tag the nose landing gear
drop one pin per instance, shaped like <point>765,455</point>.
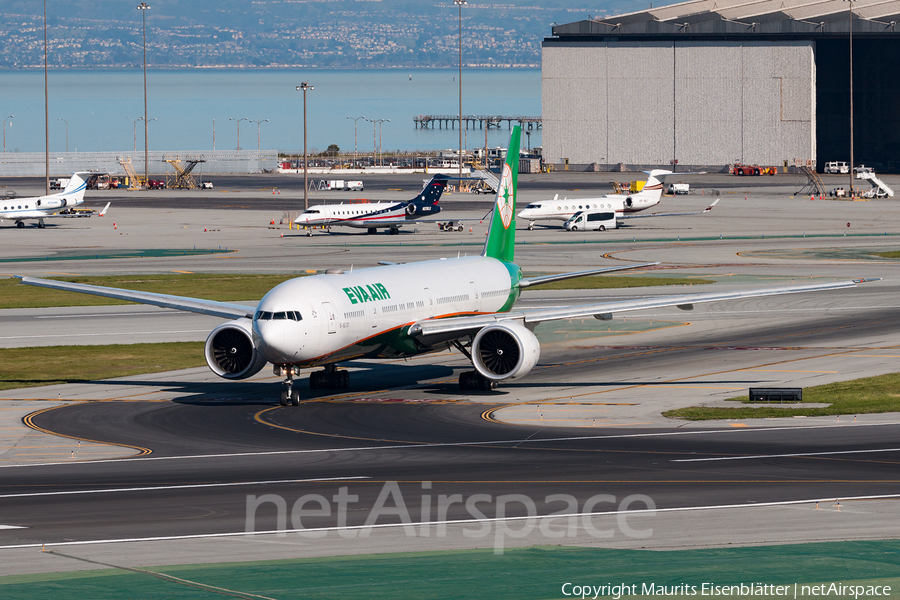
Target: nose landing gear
<point>288,395</point>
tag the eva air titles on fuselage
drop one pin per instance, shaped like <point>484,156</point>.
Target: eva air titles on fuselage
<point>367,293</point>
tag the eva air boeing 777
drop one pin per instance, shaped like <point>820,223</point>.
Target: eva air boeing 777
<point>403,310</point>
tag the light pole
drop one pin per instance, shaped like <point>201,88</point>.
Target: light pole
<point>380,121</point>
<point>460,4</point>
<point>257,130</point>
<point>144,7</point>
<point>214,135</point>
<point>239,128</point>
<point>852,164</point>
<point>134,129</point>
<point>46,111</point>
<point>304,87</point>
<point>355,152</point>
<point>374,142</point>
<point>9,118</point>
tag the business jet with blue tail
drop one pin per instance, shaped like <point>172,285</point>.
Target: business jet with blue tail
<point>404,310</point>
<point>47,207</point>
<point>375,215</point>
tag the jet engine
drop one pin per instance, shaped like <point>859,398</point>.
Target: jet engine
<point>419,209</point>
<point>629,202</point>
<point>230,352</point>
<point>505,351</point>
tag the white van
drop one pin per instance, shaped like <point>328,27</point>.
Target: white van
<point>353,186</point>
<point>592,220</point>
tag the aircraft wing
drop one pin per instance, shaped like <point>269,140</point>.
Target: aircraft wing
<point>436,330</point>
<point>530,281</point>
<point>225,310</point>
<point>701,212</point>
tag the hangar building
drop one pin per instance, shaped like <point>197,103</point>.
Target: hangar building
<point>710,82</point>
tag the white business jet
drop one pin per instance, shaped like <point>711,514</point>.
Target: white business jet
<point>372,215</point>
<point>621,204</point>
<point>403,310</point>
<point>46,207</point>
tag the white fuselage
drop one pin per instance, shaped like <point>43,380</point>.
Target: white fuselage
<point>562,210</point>
<point>365,216</point>
<point>364,312</point>
<point>37,207</point>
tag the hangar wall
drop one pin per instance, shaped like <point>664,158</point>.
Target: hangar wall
<point>700,103</point>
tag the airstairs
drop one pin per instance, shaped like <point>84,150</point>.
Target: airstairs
<point>879,189</point>
<point>134,182</point>
<point>182,179</point>
<point>489,178</point>
<point>814,185</point>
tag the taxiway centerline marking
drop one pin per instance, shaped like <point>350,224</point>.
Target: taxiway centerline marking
<point>797,454</point>
<point>180,487</point>
<point>647,511</point>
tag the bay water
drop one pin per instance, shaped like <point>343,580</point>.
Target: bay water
<point>192,105</point>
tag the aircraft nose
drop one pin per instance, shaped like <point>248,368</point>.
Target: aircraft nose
<point>270,340</point>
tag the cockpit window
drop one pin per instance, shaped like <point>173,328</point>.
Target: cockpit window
<point>288,315</point>
<point>533,206</point>
<point>311,212</point>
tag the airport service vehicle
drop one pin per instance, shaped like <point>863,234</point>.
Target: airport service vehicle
<point>372,215</point>
<point>46,207</point>
<point>156,184</point>
<point>206,185</point>
<point>59,183</point>
<point>562,210</point>
<point>740,169</point>
<point>353,186</point>
<point>677,189</point>
<point>836,166</point>
<point>402,310</point>
<point>592,220</point>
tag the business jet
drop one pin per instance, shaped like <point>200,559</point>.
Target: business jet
<point>403,310</point>
<point>46,207</point>
<point>371,216</point>
<point>621,204</point>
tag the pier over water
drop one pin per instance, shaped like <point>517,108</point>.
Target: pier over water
<point>476,121</point>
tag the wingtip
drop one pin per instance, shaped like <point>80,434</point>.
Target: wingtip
<point>868,279</point>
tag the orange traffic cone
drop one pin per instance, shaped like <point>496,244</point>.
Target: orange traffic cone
<point>114,225</point>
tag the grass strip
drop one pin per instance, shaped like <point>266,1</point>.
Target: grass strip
<point>892,254</point>
<point>536,573</point>
<point>239,287</point>
<point>51,365</point>
<point>878,394</point>
<point>209,286</point>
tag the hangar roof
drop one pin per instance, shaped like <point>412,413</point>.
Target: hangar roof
<point>755,19</point>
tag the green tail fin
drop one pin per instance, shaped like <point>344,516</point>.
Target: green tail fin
<point>501,239</point>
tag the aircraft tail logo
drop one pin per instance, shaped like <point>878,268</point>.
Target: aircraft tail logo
<point>501,240</point>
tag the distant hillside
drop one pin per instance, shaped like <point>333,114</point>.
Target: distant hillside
<point>262,33</point>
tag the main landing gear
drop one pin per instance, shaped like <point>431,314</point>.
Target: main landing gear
<point>288,395</point>
<point>473,380</point>
<point>329,379</point>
